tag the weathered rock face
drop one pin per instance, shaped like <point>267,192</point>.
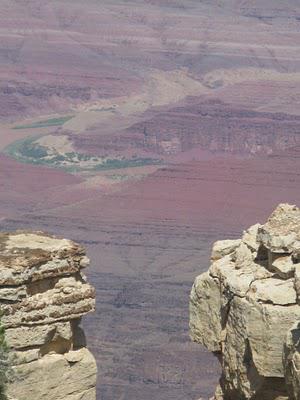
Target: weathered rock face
<point>292,362</point>
<point>244,308</point>
<point>43,295</point>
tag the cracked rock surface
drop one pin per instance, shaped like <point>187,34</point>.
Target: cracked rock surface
<point>245,307</point>
<point>43,295</point>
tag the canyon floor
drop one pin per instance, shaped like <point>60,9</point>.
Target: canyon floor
<point>146,130</point>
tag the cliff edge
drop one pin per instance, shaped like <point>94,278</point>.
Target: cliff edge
<point>245,309</point>
<point>43,295</point>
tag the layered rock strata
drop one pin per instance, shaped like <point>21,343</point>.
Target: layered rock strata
<point>245,309</point>
<point>43,295</point>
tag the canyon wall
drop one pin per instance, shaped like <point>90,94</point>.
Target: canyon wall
<point>43,295</point>
<point>245,309</point>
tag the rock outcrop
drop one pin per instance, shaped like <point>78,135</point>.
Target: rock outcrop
<point>43,295</point>
<point>292,362</point>
<point>246,310</point>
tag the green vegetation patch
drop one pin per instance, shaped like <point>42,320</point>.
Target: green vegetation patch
<point>29,151</point>
<point>46,123</point>
<point>115,163</point>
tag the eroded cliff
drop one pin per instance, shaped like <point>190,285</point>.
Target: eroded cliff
<point>245,307</point>
<point>43,295</point>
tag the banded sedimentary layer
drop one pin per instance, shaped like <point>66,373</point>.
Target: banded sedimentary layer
<point>43,295</point>
<point>245,309</point>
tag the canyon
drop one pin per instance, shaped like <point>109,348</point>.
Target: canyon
<point>145,131</point>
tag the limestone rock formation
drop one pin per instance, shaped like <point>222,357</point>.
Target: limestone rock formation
<point>43,295</point>
<point>245,307</point>
<point>292,362</point>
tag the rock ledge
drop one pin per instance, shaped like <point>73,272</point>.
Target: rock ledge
<point>246,310</point>
<point>43,295</point>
